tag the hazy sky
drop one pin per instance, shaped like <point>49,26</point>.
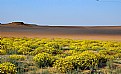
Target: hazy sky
<point>62,12</point>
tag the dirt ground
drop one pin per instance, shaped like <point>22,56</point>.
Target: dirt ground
<point>85,33</point>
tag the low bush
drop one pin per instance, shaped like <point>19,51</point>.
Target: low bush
<point>24,50</point>
<point>83,61</point>
<point>7,68</point>
<point>2,52</point>
<point>63,65</point>
<point>44,59</point>
<point>17,57</point>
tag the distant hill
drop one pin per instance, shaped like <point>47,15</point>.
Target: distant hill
<point>18,24</point>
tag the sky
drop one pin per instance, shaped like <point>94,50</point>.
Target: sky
<point>62,12</point>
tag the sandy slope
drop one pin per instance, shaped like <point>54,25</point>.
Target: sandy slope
<point>95,33</point>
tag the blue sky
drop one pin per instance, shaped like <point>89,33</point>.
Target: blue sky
<point>62,12</point>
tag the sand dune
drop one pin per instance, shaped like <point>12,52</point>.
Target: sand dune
<point>72,32</point>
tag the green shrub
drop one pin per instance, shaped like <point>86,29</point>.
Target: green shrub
<point>53,44</point>
<point>117,56</point>
<point>44,59</point>
<point>108,54</point>
<point>38,50</point>
<point>53,51</point>
<point>7,68</point>
<point>17,57</point>
<point>63,65</point>
<point>24,50</point>
<point>90,59</point>
<point>2,52</point>
<point>49,50</point>
<point>9,49</point>
<point>75,53</point>
<point>85,60</point>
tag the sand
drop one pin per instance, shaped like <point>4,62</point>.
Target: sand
<point>71,32</point>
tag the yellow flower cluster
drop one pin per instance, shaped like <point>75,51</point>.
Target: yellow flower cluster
<point>7,68</point>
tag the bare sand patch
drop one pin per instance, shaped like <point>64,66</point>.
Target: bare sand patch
<point>39,35</point>
<point>85,33</point>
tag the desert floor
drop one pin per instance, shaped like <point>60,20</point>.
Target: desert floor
<point>85,33</point>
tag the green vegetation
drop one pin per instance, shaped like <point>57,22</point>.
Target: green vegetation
<point>7,68</point>
<point>44,59</point>
<point>48,56</point>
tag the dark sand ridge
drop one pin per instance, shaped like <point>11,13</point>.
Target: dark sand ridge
<point>71,32</point>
